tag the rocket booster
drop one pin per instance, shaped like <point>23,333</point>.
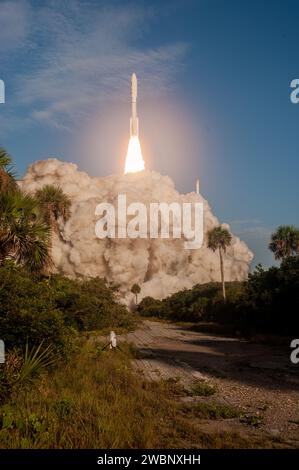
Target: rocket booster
<point>134,125</point>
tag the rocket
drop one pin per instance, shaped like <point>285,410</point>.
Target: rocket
<point>134,125</point>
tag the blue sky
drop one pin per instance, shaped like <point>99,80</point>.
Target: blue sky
<point>214,86</point>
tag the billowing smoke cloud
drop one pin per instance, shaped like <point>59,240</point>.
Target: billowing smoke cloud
<point>161,267</point>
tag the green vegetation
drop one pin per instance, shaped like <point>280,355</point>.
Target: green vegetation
<point>49,308</point>
<point>219,239</point>
<point>285,242</point>
<point>98,401</point>
<point>89,304</point>
<point>20,370</point>
<point>214,410</point>
<point>60,389</point>
<point>35,307</point>
<point>24,237</point>
<point>27,221</point>
<point>28,311</point>
<point>7,181</point>
<point>35,360</point>
<point>43,315</point>
<point>254,420</point>
<point>53,204</point>
<point>191,305</point>
<point>135,289</point>
<point>203,389</point>
<point>267,303</point>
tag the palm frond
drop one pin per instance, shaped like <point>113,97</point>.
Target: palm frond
<point>285,241</point>
<point>54,204</point>
<point>219,237</point>
<point>24,236</point>
<point>36,359</point>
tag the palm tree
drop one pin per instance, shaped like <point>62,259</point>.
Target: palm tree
<point>135,289</point>
<point>219,239</point>
<point>24,236</point>
<point>54,204</point>
<point>7,177</point>
<point>285,241</point>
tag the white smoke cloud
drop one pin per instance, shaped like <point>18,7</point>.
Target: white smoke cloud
<point>161,267</point>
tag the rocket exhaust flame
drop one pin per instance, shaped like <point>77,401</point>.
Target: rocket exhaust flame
<point>134,159</point>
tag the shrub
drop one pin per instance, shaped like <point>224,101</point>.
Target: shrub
<point>197,304</point>
<point>9,374</point>
<point>41,308</point>
<point>214,411</point>
<point>20,368</point>
<point>150,307</point>
<point>88,304</point>
<point>28,312</point>
<point>271,299</point>
<point>203,389</point>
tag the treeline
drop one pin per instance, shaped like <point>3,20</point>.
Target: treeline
<point>267,303</point>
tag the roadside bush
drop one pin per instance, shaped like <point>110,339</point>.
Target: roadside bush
<point>89,304</point>
<point>50,309</point>
<point>9,374</point>
<point>28,312</point>
<point>22,367</point>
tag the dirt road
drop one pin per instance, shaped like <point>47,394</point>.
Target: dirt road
<point>260,380</point>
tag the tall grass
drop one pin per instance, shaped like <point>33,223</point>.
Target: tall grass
<point>19,370</point>
<point>95,400</point>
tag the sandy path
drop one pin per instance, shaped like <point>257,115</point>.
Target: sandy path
<point>257,378</point>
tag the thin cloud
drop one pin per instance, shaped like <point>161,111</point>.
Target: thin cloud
<point>245,221</point>
<point>251,228</point>
<point>255,232</point>
<point>14,25</point>
<point>81,57</point>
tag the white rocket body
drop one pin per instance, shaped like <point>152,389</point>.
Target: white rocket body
<point>134,125</point>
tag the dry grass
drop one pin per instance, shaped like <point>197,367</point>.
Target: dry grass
<point>95,400</point>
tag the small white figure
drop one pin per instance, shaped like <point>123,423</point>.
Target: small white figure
<point>113,343</point>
